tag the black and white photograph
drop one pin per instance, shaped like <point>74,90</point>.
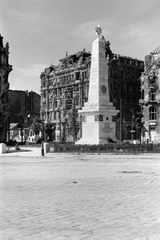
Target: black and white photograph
<point>79,120</point>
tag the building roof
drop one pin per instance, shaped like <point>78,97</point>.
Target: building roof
<point>78,54</point>
<point>13,125</point>
<point>156,51</point>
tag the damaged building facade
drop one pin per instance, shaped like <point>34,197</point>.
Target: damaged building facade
<point>64,90</point>
<point>150,97</point>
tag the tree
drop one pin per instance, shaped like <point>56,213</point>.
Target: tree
<point>23,121</point>
<point>4,116</point>
<point>71,119</point>
<point>49,130</point>
<point>36,126</point>
<point>138,123</point>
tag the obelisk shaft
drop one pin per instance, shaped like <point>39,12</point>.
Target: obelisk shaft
<point>97,113</point>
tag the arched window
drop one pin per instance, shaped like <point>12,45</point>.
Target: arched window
<point>152,113</point>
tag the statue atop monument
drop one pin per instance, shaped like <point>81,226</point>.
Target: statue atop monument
<point>98,31</point>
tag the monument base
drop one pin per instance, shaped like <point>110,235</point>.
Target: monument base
<point>97,126</point>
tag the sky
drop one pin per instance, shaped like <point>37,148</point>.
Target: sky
<point>40,32</point>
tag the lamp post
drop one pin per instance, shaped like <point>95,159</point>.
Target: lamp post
<point>42,142</point>
<point>121,119</point>
<point>60,133</point>
<point>121,113</point>
<point>59,116</point>
<point>74,116</point>
<point>66,127</point>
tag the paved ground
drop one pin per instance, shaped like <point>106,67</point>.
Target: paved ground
<point>76,197</point>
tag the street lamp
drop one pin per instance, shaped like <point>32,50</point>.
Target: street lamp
<point>74,116</point>
<point>132,125</point>
<point>121,89</point>
<point>42,142</point>
<point>66,127</point>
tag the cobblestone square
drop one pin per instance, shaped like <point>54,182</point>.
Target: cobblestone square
<point>76,197</point>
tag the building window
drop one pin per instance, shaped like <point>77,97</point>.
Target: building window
<point>129,89</point>
<point>122,74</point>
<point>142,94</point>
<point>152,113</point>
<point>77,75</point>
<point>55,104</point>
<point>50,83</point>
<point>152,96</point>
<point>128,75</point>
<point>55,115</point>
<point>114,86</point>
<point>44,105</point>
<point>50,104</point>
<point>114,73</point>
<point>43,83</point>
<point>44,116</point>
<point>82,76</point>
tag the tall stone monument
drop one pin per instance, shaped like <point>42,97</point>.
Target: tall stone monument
<point>96,115</point>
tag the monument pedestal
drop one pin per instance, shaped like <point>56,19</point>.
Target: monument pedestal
<point>97,126</point>
<point>97,113</point>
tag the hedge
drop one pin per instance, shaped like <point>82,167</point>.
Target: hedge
<point>105,148</point>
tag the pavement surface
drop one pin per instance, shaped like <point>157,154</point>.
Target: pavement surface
<point>76,197</point>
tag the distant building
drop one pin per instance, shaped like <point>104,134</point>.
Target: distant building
<point>5,69</point>
<point>24,106</point>
<point>124,86</point>
<point>64,90</point>
<point>150,96</point>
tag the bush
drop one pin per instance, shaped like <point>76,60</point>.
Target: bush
<point>11,143</point>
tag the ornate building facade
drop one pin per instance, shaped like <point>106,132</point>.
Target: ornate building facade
<point>64,90</point>
<point>150,96</point>
<point>5,69</point>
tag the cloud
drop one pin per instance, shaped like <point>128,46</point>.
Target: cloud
<point>136,39</point>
